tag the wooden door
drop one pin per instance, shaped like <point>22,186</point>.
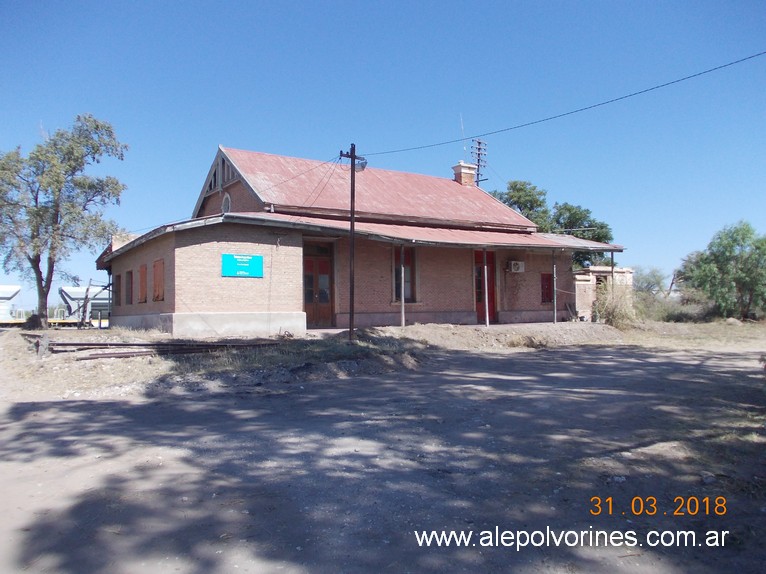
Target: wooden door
<point>479,285</point>
<point>317,291</point>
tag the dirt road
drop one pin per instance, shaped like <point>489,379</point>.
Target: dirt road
<point>337,476</point>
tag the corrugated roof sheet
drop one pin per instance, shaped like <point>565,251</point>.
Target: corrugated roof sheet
<point>308,183</point>
<point>579,244</point>
<point>412,234</point>
<point>430,235</point>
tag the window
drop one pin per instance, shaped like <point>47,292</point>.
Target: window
<point>226,204</point>
<point>129,287</point>
<point>117,290</point>
<point>142,283</point>
<point>409,274</point>
<point>546,287</point>
<point>158,280</point>
<point>227,170</point>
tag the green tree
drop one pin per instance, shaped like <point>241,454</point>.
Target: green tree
<point>532,202</point>
<point>529,200</point>
<point>731,271</point>
<point>579,221</point>
<point>50,208</point>
<point>650,281</point>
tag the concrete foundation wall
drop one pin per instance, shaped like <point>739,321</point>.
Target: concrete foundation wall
<point>202,325</point>
<point>159,321</point>
<point>531,316</point>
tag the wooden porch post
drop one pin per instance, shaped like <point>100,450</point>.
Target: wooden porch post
<point>401,283</point>
<point>553,262</point>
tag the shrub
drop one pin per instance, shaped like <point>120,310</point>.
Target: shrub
<point>614,306</point>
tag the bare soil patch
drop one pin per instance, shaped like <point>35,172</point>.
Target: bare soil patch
<point>316,356</point>
<point>322,456</point>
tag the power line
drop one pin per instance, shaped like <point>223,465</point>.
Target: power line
<point>317,191</point>
<point>333,159</point>
<point>297,175</point>
<point>577,111</point>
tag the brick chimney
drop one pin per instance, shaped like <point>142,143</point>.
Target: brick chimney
<point>465,173</point>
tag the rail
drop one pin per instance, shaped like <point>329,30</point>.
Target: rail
<point>44,345</point>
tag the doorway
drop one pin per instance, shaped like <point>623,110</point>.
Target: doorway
<point>318,285</point>
<point>478,258</point>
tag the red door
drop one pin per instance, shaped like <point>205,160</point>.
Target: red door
<point>478,258</point>
<point>317,291</point>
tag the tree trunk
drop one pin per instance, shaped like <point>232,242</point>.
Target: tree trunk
<point>43,285</point>
<point>672,282</point>
<point>42,306</point>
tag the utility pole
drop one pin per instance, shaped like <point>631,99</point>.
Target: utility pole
<point>354,166</point>
<point>478,151</point>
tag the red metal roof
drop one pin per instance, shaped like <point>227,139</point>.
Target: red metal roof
<point>311,184</point>
<point>427,235</point>
<point>412,234</point>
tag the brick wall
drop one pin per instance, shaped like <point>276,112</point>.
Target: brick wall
<point>193,281</point>
<point>443,278</point>
<point>200,287</point>
<point>522,292</point>
<point>242,200</point>
<point>146,254</point>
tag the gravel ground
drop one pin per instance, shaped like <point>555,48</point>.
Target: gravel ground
<point>169,465</point>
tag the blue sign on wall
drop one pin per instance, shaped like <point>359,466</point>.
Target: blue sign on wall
<point>233,265</point>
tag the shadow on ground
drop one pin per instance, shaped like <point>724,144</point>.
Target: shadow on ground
<point>335,476</point>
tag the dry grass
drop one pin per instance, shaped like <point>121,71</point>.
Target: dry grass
<point>375,350</point>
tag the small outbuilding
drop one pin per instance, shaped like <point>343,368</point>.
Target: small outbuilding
<point>589,280</point>
<point>268,249</point>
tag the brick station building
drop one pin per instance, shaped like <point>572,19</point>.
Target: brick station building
<point>267,251</point>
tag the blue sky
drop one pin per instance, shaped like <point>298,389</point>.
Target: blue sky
<point>665,169</point>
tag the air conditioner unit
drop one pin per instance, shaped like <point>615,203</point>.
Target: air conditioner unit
<point>516,266</point>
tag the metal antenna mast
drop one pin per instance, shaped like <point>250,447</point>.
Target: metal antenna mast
<point>478,151</point>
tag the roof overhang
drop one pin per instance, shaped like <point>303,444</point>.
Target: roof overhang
<point>386,232</point>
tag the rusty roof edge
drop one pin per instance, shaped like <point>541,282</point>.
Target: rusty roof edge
<point>256,219</point>
<point>372,217</point>
<point>162,230</point>
<point>203,192</point>
<point>578,244</point>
